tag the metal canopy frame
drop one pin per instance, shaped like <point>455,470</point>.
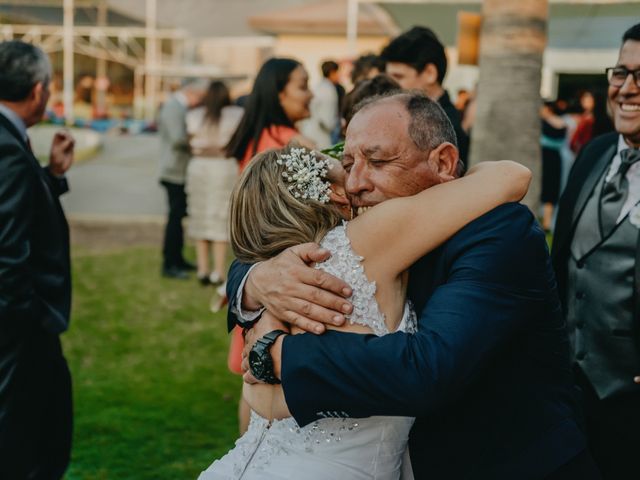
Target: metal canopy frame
<point>136,47</point>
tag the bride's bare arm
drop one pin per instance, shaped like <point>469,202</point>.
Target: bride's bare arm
<point>266,400</point>
<point>412,226</point>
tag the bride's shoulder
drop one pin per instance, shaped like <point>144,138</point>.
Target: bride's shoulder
<point>336,237</point>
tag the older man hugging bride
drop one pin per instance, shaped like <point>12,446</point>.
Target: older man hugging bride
<point>478,382</point>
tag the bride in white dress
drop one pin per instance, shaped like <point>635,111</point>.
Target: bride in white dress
<point>284,198</point>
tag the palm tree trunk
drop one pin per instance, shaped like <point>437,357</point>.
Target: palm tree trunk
<point>507,124</point>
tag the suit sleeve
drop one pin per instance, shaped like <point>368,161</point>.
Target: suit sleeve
<point>19,306</point>
<point>463,143</point>
<point>57,185</point>
<point>237,272</point>
<point>175,127</point>
<point>498,269</point>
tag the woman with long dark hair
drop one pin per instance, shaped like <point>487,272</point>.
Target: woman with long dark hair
<point>210,180</point>
<point>280,98</point>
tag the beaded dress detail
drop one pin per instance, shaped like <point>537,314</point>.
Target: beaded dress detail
<point>335,446</point>
<point>344,263</point>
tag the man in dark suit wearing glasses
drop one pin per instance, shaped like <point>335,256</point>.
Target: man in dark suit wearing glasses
<point>596,255</point>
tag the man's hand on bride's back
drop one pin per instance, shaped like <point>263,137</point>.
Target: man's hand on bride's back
<point>296,292</point>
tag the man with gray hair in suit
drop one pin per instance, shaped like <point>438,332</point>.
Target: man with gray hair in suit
<point>174,157</point>
<point>35,277</point>
<point>596,255</point>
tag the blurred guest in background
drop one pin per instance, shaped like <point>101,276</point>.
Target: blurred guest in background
<point>280,98</point>
<point>553,135</point>
<point>571,113</point>
<point>585,121</point>
<point>469,113</point>
<point>324,117</point>
<point>417,60</point>
<point>210,180</point>
<point>462,100</point>
<point>365,67</point>
<point>35,277</point>
<point>174,157</point>
<point>378,85</point>
<point>336,135</point>
<point>594,121</point>
<point>596,255</point>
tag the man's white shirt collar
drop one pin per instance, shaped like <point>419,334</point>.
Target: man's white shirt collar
<point>15,120</point>
<point>633,177</point>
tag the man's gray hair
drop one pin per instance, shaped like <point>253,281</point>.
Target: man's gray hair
<point>22,66</point>
<point>429,125</point>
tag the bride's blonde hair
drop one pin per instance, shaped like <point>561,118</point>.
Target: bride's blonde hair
<point>265,216</point>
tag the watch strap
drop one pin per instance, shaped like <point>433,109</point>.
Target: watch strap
<point>270,338</point>
<point>262,347</point>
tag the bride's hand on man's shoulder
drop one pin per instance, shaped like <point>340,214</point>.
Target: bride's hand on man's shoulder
<point>294,291</point>
<point>507,176</point>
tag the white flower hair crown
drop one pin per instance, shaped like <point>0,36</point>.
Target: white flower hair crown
<point>306,174</point>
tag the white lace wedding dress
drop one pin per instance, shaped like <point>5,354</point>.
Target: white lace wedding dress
<point>331,448</point>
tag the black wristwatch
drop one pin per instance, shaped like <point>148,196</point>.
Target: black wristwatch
<point>260,361</point>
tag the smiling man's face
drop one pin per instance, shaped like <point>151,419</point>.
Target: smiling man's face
<point>624,101</point>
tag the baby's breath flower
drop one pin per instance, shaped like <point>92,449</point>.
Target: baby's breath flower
<point>306,174</point>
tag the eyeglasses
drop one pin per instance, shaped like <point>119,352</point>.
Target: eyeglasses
<point>618,75</point>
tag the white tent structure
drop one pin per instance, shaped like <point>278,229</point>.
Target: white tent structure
<point>106,35</point>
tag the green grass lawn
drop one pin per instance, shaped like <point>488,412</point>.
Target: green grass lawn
<point>153,396</point>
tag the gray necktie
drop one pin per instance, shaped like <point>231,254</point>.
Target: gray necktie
<point>615,191</point>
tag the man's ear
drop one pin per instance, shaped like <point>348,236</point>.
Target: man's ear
<point>446,157</point>
<point>429,74</point>
<point>36,92</point>
<point>338,195</point>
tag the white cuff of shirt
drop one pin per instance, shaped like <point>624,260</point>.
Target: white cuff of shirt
<point>245,316</point>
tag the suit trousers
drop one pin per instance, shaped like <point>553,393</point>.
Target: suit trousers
<point>36,409</point>
<point>581,467</point>
<point>613,429</point>
<point>173,234</point>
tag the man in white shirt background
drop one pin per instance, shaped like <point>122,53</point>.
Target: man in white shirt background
<point>324,108</point>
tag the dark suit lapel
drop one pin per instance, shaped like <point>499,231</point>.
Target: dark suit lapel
<point>575,197</point>
<point>576,194</point>
<point>636,293</point>
<point>595,173</point>
<point>48,188</point>
<point>13,131</point>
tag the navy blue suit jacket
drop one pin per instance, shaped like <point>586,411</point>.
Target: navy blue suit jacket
<point>487,375</point>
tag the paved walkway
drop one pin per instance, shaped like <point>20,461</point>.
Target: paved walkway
<point>120,183</point>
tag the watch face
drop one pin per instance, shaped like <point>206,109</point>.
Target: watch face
<point>256,365</point>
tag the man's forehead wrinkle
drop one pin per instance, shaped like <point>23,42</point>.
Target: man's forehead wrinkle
<point>370,150</point>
